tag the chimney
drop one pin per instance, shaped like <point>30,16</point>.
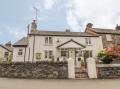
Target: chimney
<point>117,27</point>
<point>8,44</point>
<point>88,26</point>
<point>34,25</point>
<point>67,30</point>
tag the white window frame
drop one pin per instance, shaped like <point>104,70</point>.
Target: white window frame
<point>90,53</point>
<point>20,52</point>
<point>88,41</point>
<point>38,56</point>
<point>48,40</point>
<point>6,54</point>
<point>48,54</point>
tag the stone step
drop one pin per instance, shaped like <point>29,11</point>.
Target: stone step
<point>81,75</point>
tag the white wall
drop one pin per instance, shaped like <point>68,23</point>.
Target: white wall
<point>2,52</point>
<point>40,46</point>
<point>16,57</point>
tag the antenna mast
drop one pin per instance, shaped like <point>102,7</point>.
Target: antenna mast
<point>36,13</point>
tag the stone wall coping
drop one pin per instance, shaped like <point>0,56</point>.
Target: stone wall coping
<point>108,65</point>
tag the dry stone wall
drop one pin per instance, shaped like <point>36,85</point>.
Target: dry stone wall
<point>41,70</point>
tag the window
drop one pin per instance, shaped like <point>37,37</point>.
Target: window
<point>6,54</point>
<point>20,52</point>
<point>108,37</point>
<point>48,40</point>
<point>64,52</point>
<point>88,41</point>
<point>88,53</point>
<point>38,56</point>
<point>48,54</point>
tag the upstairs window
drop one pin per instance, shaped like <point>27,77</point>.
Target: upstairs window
<point>20,52</point>
<point>108,37</point>
<point>48,40</point>
<point>88,41</point>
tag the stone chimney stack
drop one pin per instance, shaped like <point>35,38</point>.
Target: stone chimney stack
<point>8,44</point>
<point>68,30</point>
<point>117,27</point>
<point>34,25</point>
<point>89,26</point>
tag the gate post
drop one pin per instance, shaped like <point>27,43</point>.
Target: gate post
<point>91,66</point>
<point>71,68</point>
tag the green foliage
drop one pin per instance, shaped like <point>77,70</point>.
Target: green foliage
<point>104,57</point>
<point>107,59</point>
<point>102,54</point>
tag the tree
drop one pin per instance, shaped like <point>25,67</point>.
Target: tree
<point>114,51</point>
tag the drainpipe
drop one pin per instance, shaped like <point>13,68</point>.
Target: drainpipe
<point>25,54</point>
<point>33,47</point>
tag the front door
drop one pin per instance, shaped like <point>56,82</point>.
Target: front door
<point>72,53</point>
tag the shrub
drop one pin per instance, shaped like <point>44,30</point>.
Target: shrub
<point>107,59</point>
<point>104,57</point>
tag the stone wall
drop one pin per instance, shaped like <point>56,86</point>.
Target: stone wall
<point>41,70</point>
<point>108,71</point>
<point>106,43</point>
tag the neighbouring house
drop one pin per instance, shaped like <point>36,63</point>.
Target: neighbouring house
<point>109,36</point>
<point>6,51</point>
<point>56,46</point>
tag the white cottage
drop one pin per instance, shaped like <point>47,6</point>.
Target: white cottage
<point>6,52</point>
<point>56,46</point>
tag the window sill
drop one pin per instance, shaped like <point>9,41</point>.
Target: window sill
<point>89,45</point>
<point>48,44</point>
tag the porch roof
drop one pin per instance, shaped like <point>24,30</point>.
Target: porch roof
<point>71,44</point>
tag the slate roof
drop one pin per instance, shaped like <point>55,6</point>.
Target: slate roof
<point>10,49</point>
<point>21,43</point>
<point>106,31</point>
<point>62,33</point>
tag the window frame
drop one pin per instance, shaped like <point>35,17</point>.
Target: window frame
<point>20,52</point>
<point>88,41</point>
<point>38,56</point>
<point>48,54</point>
<point>48,40</point>
<point>6,54</point>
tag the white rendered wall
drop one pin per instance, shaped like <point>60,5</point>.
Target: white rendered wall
<point>16,57</point>
<point>40,46</point>
<point>2,52</point>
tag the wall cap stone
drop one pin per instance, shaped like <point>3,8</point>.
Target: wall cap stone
<point>108,65</point>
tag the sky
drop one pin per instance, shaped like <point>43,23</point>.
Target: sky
<point>56,15</point>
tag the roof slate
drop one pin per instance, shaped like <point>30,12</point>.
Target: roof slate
<point>21,42</point>
<point>106,31</point>
<point>7,48</point>
<point>62,33</point>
